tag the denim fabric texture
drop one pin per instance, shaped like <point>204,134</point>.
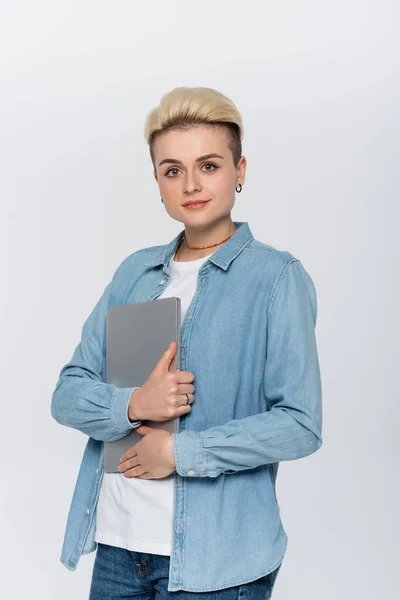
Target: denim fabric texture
<point>120,573</point>
<point>248,337</point>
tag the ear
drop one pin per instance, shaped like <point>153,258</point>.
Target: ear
<point>241,170</point>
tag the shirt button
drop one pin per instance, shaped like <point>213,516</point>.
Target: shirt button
<point>97,470</point>
<point>162,281</point>
<point>88,511</point>
<point>191,472</point>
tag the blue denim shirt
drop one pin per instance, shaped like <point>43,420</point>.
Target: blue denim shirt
<point>248,337</point>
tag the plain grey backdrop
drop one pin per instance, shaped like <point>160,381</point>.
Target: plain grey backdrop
<point>317,83</point>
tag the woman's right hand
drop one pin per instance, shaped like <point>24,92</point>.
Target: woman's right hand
<point>162,396</point>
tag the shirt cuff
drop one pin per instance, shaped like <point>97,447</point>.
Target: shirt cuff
<point>189,454</point>
<point>119,409</point>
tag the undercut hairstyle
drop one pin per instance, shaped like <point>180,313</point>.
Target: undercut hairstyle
<point>185,107</point>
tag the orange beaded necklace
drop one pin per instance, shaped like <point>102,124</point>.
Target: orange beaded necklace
<point>204,247</point>
<point>183,241</point>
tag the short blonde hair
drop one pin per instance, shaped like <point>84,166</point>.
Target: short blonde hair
<point>184,107</point>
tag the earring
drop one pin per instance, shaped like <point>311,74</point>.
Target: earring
<point>162,200</point>
<point>240,188</point>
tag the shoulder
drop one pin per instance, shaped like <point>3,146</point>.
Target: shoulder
<point>278,265</point>
<point>266,256</point>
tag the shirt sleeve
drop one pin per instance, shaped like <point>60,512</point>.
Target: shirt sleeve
<point>290,428</point>
<point>81,399</point>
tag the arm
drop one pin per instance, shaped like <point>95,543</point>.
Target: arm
<point>291,426</point>
<point>81,398</point>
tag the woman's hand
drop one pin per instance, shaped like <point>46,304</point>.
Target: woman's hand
<point>152,457</point>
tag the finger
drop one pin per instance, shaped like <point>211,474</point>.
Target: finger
<point>166,358</point>
<point>128,464</point>
<point>143,429</point>
<point>182,399</point>
<point>186,388</point>
<point>135,472</point>
<point>130,453</point>
<point>182,410</point>
<point>184,377</point>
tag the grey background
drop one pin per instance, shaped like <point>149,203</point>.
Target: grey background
<point>317,83</point>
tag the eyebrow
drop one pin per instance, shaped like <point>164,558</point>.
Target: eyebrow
<point>178,162</point>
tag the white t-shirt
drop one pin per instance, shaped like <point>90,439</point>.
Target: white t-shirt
<point>137,514</point>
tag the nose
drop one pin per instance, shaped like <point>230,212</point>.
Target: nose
<point>191,183</point>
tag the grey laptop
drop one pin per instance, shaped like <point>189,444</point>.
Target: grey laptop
<point>136,337</point>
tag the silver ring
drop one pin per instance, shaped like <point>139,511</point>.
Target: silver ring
<point>187,399</point>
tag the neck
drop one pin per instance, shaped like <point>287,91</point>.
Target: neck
<point>206,235</point>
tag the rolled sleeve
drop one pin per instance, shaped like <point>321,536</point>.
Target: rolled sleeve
<point>119,409</point>
<point>82,399</point>
<point>189,454</point>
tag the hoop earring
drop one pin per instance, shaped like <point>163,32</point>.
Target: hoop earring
<point>240,188</point>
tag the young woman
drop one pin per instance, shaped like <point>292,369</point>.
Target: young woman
<point>196,511</point>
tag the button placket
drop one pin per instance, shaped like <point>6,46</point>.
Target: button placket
<point>179,497</point>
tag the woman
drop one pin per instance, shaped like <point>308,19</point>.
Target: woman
<point>196,511</point>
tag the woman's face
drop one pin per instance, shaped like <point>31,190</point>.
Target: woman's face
<point>185,171</point>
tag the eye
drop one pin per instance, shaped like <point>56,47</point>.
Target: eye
<point>169,170</point>
<point>212,165</point>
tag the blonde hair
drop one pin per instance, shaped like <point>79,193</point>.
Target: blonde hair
<point>184,107</point>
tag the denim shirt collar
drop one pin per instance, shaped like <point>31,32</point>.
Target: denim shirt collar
<point>222,257</point>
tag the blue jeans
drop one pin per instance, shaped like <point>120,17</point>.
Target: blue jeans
<point>120,573</point>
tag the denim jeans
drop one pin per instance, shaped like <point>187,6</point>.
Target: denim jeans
<point>120,573</point>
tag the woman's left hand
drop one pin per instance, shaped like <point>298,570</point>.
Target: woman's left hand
<point>152,457</point>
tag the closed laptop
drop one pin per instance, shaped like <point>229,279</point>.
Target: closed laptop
<point>136,337</point>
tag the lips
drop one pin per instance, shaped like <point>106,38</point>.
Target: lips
<point>195,202</point>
